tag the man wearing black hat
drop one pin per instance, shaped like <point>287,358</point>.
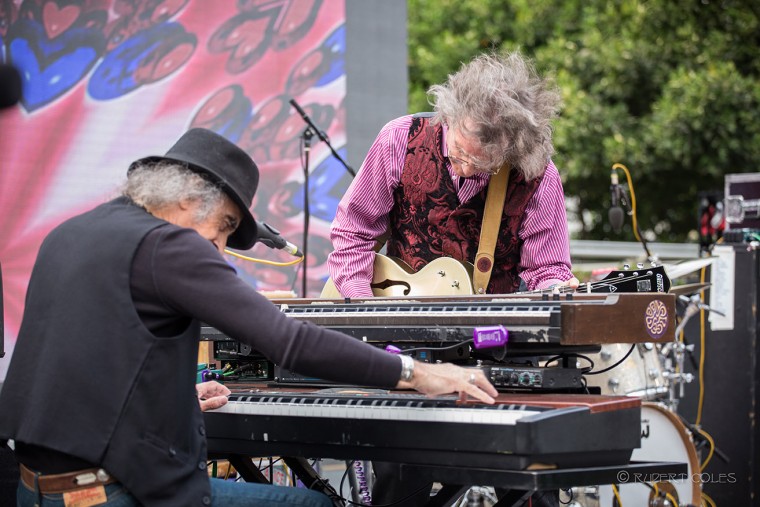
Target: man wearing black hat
<point>100,396</point>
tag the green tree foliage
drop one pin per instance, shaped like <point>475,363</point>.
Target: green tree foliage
<point>670,89</point>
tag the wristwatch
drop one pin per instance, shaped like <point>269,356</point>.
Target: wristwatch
<point>407,368</point>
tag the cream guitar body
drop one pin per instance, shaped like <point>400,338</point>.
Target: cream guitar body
<point>392,277</point>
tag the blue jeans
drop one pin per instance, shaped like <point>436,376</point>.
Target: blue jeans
<point>223,494</point>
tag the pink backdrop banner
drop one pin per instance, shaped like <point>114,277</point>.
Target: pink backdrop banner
<point>108,81</point>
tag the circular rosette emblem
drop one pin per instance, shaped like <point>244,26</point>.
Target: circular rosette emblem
<point>656,319</point>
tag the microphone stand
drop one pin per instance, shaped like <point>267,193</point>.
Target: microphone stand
<point>321,135</point>
<point>306,136</point>
<point>629,206</point>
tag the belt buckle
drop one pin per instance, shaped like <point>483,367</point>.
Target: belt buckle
<point>90,477</point>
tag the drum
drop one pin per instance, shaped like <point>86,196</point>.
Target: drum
<point>640,375</point>
<point>663,438</point>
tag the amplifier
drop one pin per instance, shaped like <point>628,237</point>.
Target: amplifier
<point>534,378</point>
<point>285,376</point>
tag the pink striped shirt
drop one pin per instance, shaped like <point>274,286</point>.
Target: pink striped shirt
<point>362,216</point>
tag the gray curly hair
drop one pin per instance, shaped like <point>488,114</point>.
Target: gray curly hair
<point>506,106</point>
<point>157,185</point>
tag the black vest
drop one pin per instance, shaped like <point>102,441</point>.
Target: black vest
<point>88,379</point>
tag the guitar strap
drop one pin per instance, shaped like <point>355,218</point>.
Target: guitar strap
<point>494,208</point>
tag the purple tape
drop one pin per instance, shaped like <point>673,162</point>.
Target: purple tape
<point>490,336</point>
<point>392,349</point>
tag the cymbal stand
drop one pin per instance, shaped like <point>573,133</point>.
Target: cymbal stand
<point>674,369</point>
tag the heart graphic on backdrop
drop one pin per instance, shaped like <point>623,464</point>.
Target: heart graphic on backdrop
<point>57,20</point>
<point>50,68</point>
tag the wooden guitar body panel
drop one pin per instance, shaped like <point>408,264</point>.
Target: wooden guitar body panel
<point>392,277</point>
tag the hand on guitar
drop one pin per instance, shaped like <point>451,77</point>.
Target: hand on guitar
<point>573,283</point>
<point>445,378</point>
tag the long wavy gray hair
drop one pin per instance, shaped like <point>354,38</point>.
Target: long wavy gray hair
<point>156,186</point>
<point>506,106</point>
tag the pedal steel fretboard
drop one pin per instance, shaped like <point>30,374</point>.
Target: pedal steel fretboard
<point>432,313</point>
<point>569,320</point>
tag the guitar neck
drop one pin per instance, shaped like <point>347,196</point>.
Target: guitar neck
<point>643,280</point>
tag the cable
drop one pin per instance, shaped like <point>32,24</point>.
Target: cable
<point>264,261</point>
<point>570,495</point>
<point>636,229</point>
<point>616,492</point>
<point>702,352</point>
<point>662,493</point>
<point>449,347</point>
<point>614,365</point>
<point>708,500</point>
<point>712,448</point>
<point>584,370</point>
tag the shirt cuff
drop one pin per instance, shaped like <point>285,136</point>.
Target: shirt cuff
<point>356,289</point>
<point>548,283</point>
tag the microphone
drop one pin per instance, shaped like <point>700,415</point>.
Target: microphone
<point>270,237</point>
<point>615,214</point>
<point>10,86</point>
<point>321,135</point>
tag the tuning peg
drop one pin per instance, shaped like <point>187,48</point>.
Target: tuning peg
<point>640,265</point>
<point>626,266</point>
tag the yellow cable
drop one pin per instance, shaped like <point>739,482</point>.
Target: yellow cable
<point>617,495</point>
<point>286,473</point>
<point>670,498</point>
<point>712,449</point>
<point>702,353</point>
<point>263,261</point>
<point>633,198</point>
<point>707,499</point>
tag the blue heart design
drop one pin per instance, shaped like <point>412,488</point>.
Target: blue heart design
<point>334,48</point>
<point>50,68</point>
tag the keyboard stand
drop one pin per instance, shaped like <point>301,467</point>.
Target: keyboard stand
<point>515,486</point>
<point>518,485</point>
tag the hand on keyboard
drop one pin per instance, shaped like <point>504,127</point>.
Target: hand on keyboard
<point>211,395</point>
<point>445,378</point>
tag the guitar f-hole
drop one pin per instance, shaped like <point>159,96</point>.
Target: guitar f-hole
<point>385,284</point>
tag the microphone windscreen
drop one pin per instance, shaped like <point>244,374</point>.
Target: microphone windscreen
<point>10,86</point>
<point>616,217</point>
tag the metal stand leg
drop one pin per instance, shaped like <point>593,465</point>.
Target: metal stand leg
<point>359,476</point>
<point>247,470</point>
<point>311,479</point>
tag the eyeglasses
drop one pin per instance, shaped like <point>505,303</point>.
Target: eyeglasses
<point>464,163</point>
<point>461,162</point>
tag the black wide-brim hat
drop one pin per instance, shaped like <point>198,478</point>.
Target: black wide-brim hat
<point>223,163</point>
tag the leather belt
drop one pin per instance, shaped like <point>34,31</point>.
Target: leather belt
<point>61,483</point>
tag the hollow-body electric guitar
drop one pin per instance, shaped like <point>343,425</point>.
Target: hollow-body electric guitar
<point>446,276</point>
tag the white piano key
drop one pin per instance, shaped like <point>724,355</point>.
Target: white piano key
<point>378,411</point>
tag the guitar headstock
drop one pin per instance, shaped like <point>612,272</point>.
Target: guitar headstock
<point>653,279</point>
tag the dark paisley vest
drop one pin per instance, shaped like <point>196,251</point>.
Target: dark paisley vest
<point>428,221</point>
